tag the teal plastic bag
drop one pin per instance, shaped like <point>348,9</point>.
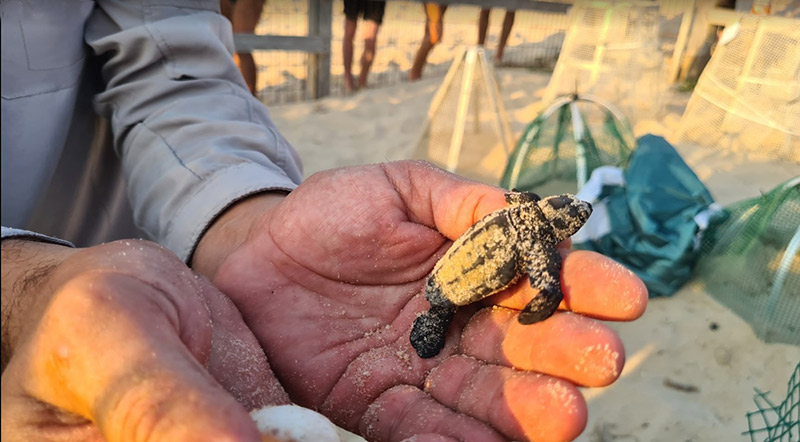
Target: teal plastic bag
<point>649,216</point>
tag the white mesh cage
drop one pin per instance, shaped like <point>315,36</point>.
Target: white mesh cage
<point>467,129</point>
<point>748,97</point>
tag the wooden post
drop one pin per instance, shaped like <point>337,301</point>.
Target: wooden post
<point>320,15</point>
<point>680,43</point>
<point>701,37</point>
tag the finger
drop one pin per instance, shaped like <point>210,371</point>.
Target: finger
<point>565,345</point>
<point>106,350</point>
<point>236,359</point>
<point>593,285</point>
<point>441,200</point>
<point>522,405</point>
<point>600,287</point>
<point>405,411</point>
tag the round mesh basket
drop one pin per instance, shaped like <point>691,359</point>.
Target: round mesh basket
<point>749,262</point>
<point>559,150</point>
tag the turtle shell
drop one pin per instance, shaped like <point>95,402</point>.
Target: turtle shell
<point>481,262</point>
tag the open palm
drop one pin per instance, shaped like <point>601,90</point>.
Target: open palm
<point>331,279</point>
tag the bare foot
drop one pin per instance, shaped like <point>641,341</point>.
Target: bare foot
<point>349,84</point>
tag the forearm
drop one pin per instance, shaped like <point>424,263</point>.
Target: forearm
<point>231,229</point>
<point>191,137</point>
<point>26,266</point>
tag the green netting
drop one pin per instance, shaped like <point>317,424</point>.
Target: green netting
<point>749,262</point>
<point>559,150</point>
<point>776,423</point>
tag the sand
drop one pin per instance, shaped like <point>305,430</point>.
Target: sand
<point>688,340</point>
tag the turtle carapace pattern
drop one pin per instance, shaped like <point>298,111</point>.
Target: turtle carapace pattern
<point>493,254</point>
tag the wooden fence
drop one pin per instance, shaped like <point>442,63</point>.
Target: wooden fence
<point>692,18</point>
<point>318,41</point>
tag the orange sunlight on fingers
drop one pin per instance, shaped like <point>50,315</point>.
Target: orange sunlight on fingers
<point>526,406</point>
<point>593,285</point>
<point>600,287</point>
<point>566,345</point>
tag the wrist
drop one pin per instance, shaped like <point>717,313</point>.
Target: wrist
<point>230,230</point>
<point>26,267</point>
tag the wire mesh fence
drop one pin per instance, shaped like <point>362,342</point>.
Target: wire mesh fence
<point>535,42</point>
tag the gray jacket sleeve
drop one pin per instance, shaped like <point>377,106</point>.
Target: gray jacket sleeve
<point>192,139</point>
<point>9,233</point>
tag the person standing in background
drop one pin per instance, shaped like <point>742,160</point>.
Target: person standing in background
<point>434,27</point>
<point>372,11</point>
<point>244,16</point>
<point>483,24</point>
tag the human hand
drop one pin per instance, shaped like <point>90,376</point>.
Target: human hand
<point>331,277</point>
<point>123,342</point>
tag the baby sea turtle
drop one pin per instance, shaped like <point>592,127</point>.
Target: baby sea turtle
<point>493,254</point>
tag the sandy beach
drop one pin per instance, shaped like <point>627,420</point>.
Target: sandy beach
<point>692,364</point>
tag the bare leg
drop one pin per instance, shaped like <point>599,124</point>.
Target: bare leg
<point>508,22</point>
<point>437,27</point>
<point>422,55</point>
<point>347,52</point>
<point>483,25</point>
<point>246,14</point>
<point>370,41</point>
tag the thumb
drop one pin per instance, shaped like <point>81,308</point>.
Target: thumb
<point>108,349</point>
<point>236,359</point>
<point>441,200</point>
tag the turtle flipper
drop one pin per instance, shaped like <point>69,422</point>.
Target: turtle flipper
<point>430,328</point>
<point>544,270</point>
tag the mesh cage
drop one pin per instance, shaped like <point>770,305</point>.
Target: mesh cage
<point>612,51</point>
<point>748,96</point>
<point>564,144</point>
<point>467,129</point>
<point>777,423</point>
<point>749,262</point>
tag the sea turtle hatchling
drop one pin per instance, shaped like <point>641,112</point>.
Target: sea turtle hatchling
<point>493,254</point>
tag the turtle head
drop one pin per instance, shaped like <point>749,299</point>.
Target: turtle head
<point>566,214</point>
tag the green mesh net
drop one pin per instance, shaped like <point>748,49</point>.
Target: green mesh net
<point>559,150</point>
<point>749,262</point>
<point>776,423</point>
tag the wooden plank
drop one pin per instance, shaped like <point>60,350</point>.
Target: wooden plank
<point>514,5</point>
<point>320,17</point>
<point>723,17</point>
<point>697,49</point>
<point>680,43</point>
<point>251,42</point>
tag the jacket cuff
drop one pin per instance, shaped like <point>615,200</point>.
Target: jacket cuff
<point>213,196</point>
<point>8,233</point>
